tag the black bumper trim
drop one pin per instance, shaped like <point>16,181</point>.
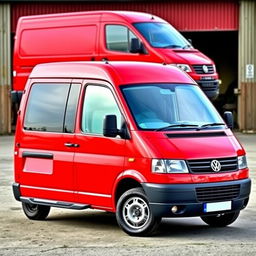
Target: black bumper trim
<point>208,84</point>
<point>162,197</point>
<point>209,87</point>
<point>16,191</point>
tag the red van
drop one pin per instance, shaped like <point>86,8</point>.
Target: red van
<point>138,139</point>
<point>107,35</point>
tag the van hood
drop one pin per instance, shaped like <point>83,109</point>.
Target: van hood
<point>189,56</point>
<point>196,145</point>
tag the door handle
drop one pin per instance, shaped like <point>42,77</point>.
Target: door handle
<point>71,145</point>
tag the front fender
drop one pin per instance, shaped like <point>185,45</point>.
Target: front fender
<point>127,174</point>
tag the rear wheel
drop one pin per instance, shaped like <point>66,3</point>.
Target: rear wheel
<point>35,211</point>
<point>134,215</point>
<point>221,220</point>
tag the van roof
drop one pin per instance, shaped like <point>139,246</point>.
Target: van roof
<point>118,73</point>
<point>129,16</point>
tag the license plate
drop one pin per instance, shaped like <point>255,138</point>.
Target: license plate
<point>207,78</point>
<point>215,207</point>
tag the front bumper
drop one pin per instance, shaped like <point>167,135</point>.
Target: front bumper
<point>210,88</point>
<point>162,197</point>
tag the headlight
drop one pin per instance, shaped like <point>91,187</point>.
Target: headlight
<point>242,163</point>
<point>169,166</point>
<point>184,67</point>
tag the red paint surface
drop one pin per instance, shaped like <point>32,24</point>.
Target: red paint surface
<point>90,173</point>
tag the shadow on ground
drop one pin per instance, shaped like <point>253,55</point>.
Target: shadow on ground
<point>182,227</point>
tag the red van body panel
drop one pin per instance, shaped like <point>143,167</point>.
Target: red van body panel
<point>82,37</point>
<point>90,173</point>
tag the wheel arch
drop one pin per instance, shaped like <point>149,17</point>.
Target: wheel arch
<point>126,180</point>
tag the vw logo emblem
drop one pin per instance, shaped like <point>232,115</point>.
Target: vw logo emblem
<point>215,165</point>
<point>205,69</point>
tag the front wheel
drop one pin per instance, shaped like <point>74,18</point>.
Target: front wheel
<point>221,220</point>
<point>134,215</point>
<point>35,211</point>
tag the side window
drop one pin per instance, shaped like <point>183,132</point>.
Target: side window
<point>118,38</point>
<point>46,107</point>
<point>98,102</point>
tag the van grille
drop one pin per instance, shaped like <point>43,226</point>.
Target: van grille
<point>219,193</point>
<point>199,69</point>
<point>208,85</point>
<point>204,166</point>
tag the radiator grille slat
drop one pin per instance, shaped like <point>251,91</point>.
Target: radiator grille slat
<point>219,193</point>
<point>199,69</point>
<point>204,166</point>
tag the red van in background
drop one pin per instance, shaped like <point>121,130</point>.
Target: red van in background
<point>138,139</point>
<point>107,35</point>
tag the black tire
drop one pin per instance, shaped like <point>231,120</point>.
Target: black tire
<point>221,220</point>
<point>35,211</point>
<point>134,215</point>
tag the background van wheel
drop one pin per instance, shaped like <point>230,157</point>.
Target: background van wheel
<point>134,215</point>
<point>35,211</point>
<point>221,220</point>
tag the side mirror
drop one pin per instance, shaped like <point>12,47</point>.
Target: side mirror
<point>228,117</point>
<point>137,46</point>
<point>110,126</point>
<point>16,96</point>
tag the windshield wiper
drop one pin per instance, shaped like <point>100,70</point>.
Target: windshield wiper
<point>209,125</point>
<point>172,46</point>
<point>175,125</point>
<point>187,46</point>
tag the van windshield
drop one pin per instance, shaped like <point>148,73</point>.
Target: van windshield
<point>170,106</point>
<point>162,35</point>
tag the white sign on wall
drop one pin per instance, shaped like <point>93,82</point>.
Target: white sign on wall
<point>249,71</point>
